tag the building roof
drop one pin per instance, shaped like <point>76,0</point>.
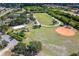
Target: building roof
<point>6,38</point>
<point>12,44</point>
<point>18,27</point>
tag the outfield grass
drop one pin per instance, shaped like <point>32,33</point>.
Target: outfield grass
<point>43,18</point>
<point>53,43</point>
<point>50,39</point>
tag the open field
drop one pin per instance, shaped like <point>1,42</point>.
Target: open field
<point>53,43</point>
<point>25,28</point>
<point>43,18</point>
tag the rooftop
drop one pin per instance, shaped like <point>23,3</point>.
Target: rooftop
<point>18,27</point>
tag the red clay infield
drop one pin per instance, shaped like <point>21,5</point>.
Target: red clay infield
<point>65,31</point>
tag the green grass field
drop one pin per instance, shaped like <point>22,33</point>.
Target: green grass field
<point>43,18</point>
<point>53,43</point>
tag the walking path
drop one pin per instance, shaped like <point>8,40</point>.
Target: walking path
<point>58,22</point>
<point>45,25</point>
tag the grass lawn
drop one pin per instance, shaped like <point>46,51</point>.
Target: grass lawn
<point>43,18</point>
<point>53,43</point>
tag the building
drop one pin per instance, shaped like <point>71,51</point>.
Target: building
<point>18,27</point>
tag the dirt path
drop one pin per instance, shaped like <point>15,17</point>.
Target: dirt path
<point>3,51</point>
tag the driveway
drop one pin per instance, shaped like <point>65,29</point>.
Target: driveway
<point>10,45</point>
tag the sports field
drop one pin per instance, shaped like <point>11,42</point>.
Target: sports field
<point>53,43</point>
<point>43,18</point>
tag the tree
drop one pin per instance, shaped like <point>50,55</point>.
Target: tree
<point>1,46</point>
<point>0,37</point>
<point>4,43</point>
<point>19,49</point>
<point>64,17</point>
<point>22,19</point>
<point>4,28</point>
<point>31,16</point>
<point>34,47</point>
<point>18,36</point>
<point>75,54</point>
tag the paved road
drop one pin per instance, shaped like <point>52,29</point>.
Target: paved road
<point>6,12</point>
<point>70,13</point>
<point>3,51</point>
<point>10,45</point>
